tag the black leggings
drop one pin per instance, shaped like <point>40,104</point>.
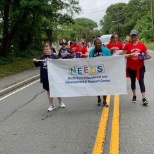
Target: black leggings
<point>132,74</point>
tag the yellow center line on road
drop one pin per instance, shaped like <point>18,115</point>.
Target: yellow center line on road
<point>101,133</point>
<point>114,141</point>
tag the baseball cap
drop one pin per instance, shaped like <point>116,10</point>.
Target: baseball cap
<point>133,32</point>
<point>63,41</point>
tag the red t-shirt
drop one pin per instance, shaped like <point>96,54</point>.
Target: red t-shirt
<point>74,46</point>
<point>134,62</point>
<point>83,50</point>
<point>117,46</point>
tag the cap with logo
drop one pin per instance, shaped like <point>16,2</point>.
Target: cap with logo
<point>63,41</point>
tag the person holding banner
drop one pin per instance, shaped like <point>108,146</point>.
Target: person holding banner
<point>82,50</point>
<point>42,63</point>
<point>64,52</point>
<point>99,51</point>
<point>50,45</point>
<point>136,53</point>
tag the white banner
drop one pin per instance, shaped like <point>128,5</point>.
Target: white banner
<point>87,76</point>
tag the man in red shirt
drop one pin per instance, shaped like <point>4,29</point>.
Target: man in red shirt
<point>136,53</point>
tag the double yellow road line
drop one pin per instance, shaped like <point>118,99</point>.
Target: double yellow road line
<point>101,134</point>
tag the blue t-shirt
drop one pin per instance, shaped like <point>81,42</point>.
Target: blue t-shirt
<point>101,52</point>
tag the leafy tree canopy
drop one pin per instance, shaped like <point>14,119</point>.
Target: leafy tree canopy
<point>85,22</point>
<point>122,18</point>
<point>24,22</point>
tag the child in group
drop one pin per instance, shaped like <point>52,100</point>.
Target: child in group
<point>74,45</point>
<point>82,50</point>
<point>50,45</point>
<point>42,63</point>
<point>64,52</point>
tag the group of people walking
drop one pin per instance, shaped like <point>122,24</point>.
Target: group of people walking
<point>135,52</point>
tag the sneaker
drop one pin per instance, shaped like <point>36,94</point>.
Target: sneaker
<point>105,104</point>
<point>145,102</point>
<point>51,108</point>
<point>62,105</point>
<point>99,102</point>
<point>134,99</point>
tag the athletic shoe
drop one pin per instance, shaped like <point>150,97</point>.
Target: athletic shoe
<point>105,104</point>
<point>62,105</point>
<point>99,102</point>
<point>134,99</point>
<point>51,108</point>
<point>145,102</point>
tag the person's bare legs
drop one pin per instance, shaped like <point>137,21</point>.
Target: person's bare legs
<point>134,92</point>
<point>51,107</point>
<point>61,103</point>
<point>50,98</point>
<point>143,95</point>
<point>59,99</point>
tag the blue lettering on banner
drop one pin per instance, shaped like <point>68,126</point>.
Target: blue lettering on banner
<point>82,70</point>
<point>88,79</point>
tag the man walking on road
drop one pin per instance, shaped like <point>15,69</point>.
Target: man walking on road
<point>99,51</point>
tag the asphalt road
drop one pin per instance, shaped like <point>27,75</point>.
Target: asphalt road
<point>137,121</point>
<point>27,128</point>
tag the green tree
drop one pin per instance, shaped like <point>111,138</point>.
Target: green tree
<point>85,22</point>
<point>24,22</point>
<point>80,28</point>
<point>135,10</point>
<point>114,19</point>
<point>84,28</point>
<point>122,18</point>
<point>144,28</point>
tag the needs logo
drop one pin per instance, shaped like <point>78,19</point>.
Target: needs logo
<point>86,70</point>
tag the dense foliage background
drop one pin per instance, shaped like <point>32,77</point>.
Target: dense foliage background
<point>122,18</point>
<point>25,24</point>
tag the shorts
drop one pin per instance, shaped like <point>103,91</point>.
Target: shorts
<point>45,83</point>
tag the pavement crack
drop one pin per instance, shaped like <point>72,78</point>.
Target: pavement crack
<point>20,107</point>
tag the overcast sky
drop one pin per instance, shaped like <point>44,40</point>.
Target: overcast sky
<point>95,9</point>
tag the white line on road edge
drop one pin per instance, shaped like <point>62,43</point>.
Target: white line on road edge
<point>18,90</point>
<point>20,83</point>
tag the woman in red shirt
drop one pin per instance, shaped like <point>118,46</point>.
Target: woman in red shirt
<point>82,50</point>
<point>74,44</point>
<point>136,53</point>
<point>114,45</point>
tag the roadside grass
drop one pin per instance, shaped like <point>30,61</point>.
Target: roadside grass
<point>150,45</point>
<point>18,65</point>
